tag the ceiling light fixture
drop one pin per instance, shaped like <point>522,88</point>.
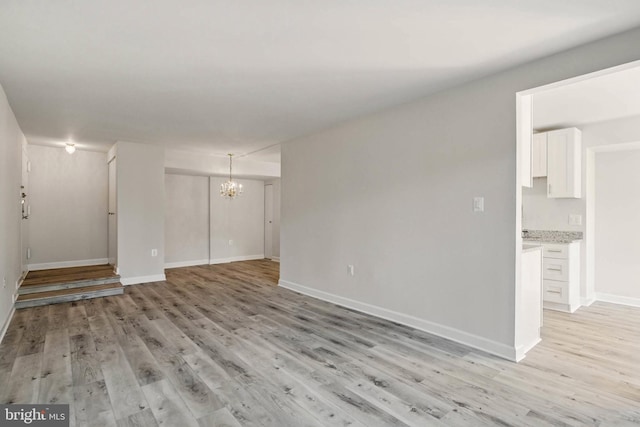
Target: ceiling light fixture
<point>230,189</point>
<point>70,148</point>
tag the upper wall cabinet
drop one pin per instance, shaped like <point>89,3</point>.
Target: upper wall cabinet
<point>539,155</point>
<point>564,163</point>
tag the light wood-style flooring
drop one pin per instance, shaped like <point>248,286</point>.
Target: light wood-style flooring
<point>222,345</point>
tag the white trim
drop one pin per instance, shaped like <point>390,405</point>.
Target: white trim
<point>586,302</point>
<point>522,351</point>
<point>236,258</point>
<point>275,258</point>
<point>143,279</point>
<point>65,264</point>
<point>471,340</point>
<point>5,327</point>
<point>186,263</point>
<point>618,299</point>
<point>582,77</point>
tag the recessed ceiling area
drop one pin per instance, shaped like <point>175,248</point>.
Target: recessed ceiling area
<point>218,77</point>
<point>599,99</point>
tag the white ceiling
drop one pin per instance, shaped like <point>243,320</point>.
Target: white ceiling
<point>600,99</point>
<point>238,76</point>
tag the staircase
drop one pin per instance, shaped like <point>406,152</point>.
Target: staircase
<point>68,284</point>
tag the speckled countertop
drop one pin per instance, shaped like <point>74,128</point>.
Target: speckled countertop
<point>551,236</point>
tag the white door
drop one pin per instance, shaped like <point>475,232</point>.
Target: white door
<point>268,221</point>
<point>24,225</point>
<point>113,236</point>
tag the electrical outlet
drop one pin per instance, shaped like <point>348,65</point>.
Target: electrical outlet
<point>154,252</point>
<point>575,219</point>
<point>351,270</point>
<point>230,242</point>
<point>4,282</point>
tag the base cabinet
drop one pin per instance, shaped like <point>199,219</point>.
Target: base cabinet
<point>561,276</point>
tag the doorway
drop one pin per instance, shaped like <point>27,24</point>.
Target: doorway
<point>597,120</point>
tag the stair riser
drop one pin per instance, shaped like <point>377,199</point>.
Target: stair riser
<point>68,298</point>
<point>24,290</point>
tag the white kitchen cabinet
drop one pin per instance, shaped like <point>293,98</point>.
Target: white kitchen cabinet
<point>539,155</point>
<point>561,276</point>
<point>564,163</point>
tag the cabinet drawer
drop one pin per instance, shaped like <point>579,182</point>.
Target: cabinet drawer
<point>554,291</point>
<point>550,250</point>
<point>555,269</point>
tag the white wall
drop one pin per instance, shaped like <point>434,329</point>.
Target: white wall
<point>617,207</point>
<point>392,193</point>
<point>68,197</point>
<point>186,220</point>
<point>200,223</point>
<point>11,143</point>
<point>542,213</point>
<point>140,211</point>
<point>240,220</point>
<point>275,238</point>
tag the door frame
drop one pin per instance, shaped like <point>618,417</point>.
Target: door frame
<point>112,230</point>
<point>268,221</point>
<point>524,130</point>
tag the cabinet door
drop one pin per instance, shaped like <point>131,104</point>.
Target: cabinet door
<point>539,155</point>
<point>564,163</point>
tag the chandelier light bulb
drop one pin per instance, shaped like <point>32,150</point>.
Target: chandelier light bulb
<point>70,148</point>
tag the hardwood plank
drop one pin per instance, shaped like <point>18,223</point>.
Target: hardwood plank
<point>92,404</point>
<point>124,392</point>
<point>24,381</point>
<point>56,385</point>
<point>140,419</point>
<point>220,418</point>
<point>167,406</point>
<point>85,364</point>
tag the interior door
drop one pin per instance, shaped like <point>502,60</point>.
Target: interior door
<point>113,235</point>
<point>24,200</point>
<point>268,221</point>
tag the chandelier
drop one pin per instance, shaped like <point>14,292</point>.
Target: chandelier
<point>230,189</point>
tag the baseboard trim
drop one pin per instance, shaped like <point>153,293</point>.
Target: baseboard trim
<point>186,263</point>
<point>586,302</point>
<point>7,322</point>
<point>471,340</point>
<point>143,279</point>
<point>275,258</point>
<point>65,264</point>
<point>522,351</point>
<point>236,258</point>
<point>617,299</point>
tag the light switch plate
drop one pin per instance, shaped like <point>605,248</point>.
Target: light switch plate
<point>478,204</point>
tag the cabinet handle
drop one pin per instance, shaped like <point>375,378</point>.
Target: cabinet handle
<point>554,292</point>
<point>549,188</point>
<point>554,269</point>
<point>554,250</point>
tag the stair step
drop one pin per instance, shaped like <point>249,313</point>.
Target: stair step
<point>68,275</point>
<point>67,295</point>
<point>58,286</point>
